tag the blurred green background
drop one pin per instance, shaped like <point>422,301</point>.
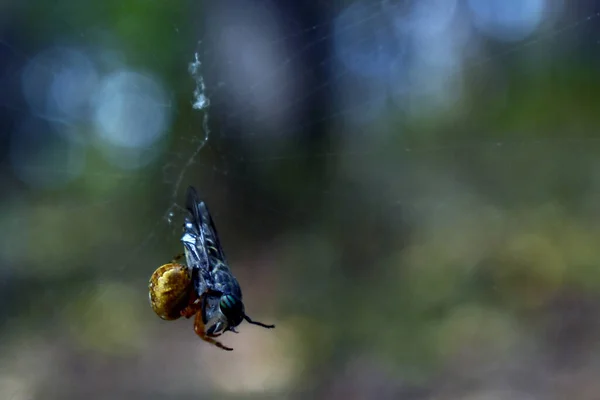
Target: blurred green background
<point>408,190</point>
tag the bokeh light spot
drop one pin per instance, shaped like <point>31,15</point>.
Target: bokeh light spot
<point>131,110</point>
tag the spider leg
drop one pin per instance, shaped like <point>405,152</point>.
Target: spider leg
<point>178,257</point>
<point>189,311</point>
<point>199,328</point>
<point>193,306</point>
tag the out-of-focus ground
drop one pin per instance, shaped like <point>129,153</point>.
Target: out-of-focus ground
<point>409,190</point>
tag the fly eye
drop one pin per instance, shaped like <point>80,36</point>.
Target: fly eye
<point>232,308</point>
<point>228,303</point>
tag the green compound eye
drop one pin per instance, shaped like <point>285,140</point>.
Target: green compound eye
<point>233,308</point>
<point>229,302</point>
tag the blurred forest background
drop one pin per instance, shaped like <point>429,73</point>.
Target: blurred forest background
<point>409,190</point>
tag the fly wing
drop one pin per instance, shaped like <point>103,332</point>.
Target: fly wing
<point>193,242</point>
<point>219,277</point>
<point>223,279</point>
<point>211,237</point>
<point>191,203</point>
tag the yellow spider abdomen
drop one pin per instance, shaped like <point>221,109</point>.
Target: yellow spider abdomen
<point>169,289</point>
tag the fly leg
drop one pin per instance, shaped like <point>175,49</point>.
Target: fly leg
<point>177,258</point>
<point>205,317</point>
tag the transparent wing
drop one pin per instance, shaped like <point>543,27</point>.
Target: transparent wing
<point>211,237</point>
<point>193,243</point>
<point>218,276</point>
<point>191,203</point>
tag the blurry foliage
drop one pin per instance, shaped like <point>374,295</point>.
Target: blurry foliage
<point>489,218</point>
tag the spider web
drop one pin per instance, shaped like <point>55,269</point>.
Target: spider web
<point>191,142</point>
<point>264,149</point>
